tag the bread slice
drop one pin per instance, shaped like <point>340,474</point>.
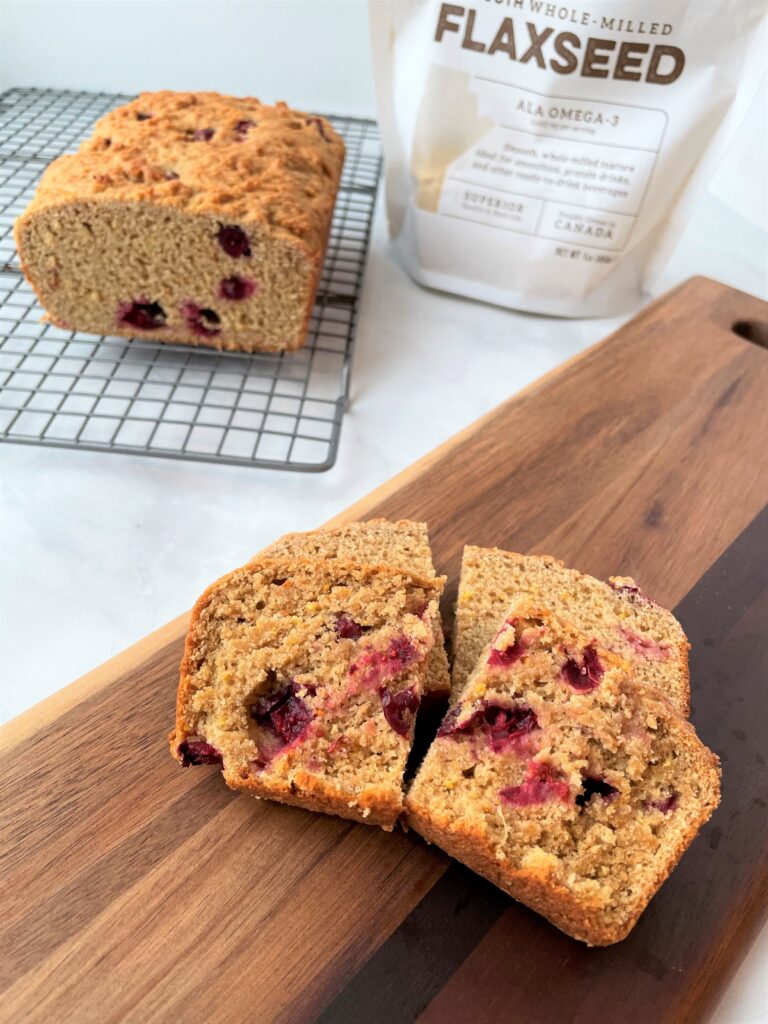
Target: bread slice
<point>403,544</point>
<point>563,780</point>
<point>302,677</point>
<point>616,614</point>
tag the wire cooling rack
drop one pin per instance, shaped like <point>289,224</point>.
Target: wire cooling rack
<point>70,390</point>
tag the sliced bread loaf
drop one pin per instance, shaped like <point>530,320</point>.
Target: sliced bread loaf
<point>190,218</point>
<point>302,677</point>
<point>616,614</point>
<point>564,780</point>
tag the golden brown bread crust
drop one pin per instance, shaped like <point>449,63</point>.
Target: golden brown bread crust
<point>282,174</point>
<point>402,542</point>
<point>269,169</point>
<point>371,807</point>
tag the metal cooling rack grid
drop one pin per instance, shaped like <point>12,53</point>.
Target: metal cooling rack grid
<point>63,389</point>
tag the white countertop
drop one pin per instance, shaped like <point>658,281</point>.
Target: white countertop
<point>98,550</point>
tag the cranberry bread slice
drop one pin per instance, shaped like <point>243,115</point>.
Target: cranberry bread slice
<point>403,544</point>
<point>563,780</point>
<point>296,706</point>
<point>617,614</point>
<point>187,217</point>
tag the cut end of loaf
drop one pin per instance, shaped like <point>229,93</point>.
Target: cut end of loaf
<point>193,218</point>
<point>302,678</point>
<point>146,271</point>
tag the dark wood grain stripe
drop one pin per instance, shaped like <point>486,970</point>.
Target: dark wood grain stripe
<point>422,954</point>
<point>711,609</point>
<point>468,953</point>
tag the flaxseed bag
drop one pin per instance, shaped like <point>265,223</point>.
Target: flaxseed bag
<point>544,156</point>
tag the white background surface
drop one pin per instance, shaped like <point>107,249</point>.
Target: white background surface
<point>98,550</point>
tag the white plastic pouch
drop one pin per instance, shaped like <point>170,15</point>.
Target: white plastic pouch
<point>544,156</point>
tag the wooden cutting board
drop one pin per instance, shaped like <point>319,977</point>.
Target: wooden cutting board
<point>134,890</point>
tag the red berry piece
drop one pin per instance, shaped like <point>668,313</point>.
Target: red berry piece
<point>198,752</point>
<point>236,288</point>
<point>201,134</point>
<point>233,240</point>
<point>542,783</point>
<point>373,666</point>
<point>290,718</point>
<point>450,724</point>
<point>243,127</point>
<point>400,709</point>
<point>401,651</point>
<point>666,805</point>
<point>586,676</point>
<point>318,122</point>
<point>508,656</point>
<point>284,717</point>
<point>500,725</point>
<point>347,629</point>
<point>204,322</point>
<point>143,315</point>
<point>645,646</point>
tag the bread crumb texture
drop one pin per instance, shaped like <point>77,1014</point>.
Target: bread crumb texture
<point>564,778</point>
<point>617,614</point>
<point>302,678</point>
<point>403,544</point>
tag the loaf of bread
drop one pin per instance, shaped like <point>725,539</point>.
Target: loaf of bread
<point>302,678</point>
<point>192,218</point>
<point>403,544</point>
<point>564,780</point>
<point>617,614</point>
